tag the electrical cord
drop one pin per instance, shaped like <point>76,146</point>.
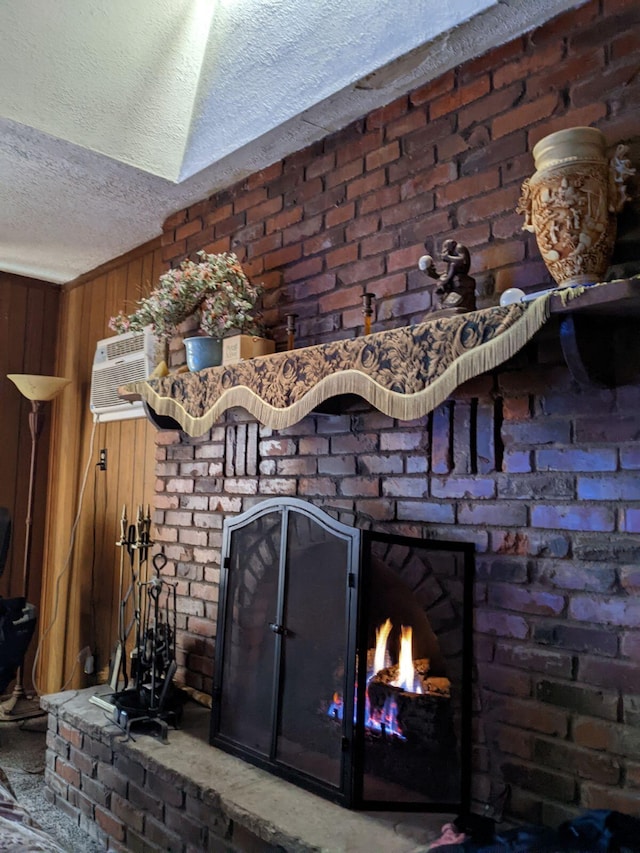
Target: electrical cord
<point>94,617</point>
<point>65,569</point>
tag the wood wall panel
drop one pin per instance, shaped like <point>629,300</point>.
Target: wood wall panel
<point>28,330</point>
<point>81,609</point>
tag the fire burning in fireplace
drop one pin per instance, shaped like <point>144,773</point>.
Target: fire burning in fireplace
<point>357,707</point>
<point>405,678</point>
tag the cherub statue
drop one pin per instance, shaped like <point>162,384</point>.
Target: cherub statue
<point>456,288</point>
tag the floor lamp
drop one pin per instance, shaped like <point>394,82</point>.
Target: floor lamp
<point>39,390</point>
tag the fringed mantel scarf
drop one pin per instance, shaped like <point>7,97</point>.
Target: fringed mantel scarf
<point>404,373</point>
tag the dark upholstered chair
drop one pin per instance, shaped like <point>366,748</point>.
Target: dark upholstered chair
<point>5,536</point>
<point>17,618</point>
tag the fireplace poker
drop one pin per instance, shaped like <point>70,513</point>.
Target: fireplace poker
<point>138,610</point>
<point>156,584</point>
<point>130,544</point>
<point>131,589</point>
<point>146,537</point>
<point>143,581</point>
<point>143,525</point>
<point>119,650</point>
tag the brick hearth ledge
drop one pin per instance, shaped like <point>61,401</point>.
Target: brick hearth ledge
<point>186,795</point>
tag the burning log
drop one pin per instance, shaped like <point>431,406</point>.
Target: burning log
<point>424,715</point>
<point>437,687</point>
<point>402,701</point>
<point>392,675</point>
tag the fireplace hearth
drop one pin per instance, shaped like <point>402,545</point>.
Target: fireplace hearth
<point>343,658</point>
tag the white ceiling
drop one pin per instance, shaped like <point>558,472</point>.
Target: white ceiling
<point>116,113</point>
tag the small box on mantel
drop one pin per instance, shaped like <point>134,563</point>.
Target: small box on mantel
<point>239,347</point>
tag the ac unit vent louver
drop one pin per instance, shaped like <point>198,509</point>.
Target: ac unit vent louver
<point>124,345</point>
<point>118,361</point>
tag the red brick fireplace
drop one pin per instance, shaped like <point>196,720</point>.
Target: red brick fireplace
<point>537,470</point>
<point>537,473</point>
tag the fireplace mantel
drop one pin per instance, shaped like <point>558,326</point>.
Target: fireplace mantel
<point>404,373</point>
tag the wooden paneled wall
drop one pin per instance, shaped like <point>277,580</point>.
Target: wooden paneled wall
<point>28,328</point>
<point>80,601</point>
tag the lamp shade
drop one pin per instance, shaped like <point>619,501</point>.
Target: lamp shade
<point>35,387</point>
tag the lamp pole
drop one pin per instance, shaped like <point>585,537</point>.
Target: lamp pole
<point>36,422</point>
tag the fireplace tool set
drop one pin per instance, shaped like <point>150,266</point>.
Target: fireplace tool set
<point>144,695</point>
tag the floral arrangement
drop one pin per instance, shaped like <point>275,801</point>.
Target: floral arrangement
<point>216,289</point>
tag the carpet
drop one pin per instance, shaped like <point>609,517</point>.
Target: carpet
<point>22,762</point>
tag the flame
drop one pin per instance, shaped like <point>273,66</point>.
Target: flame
<point>336,709</point>
<point>382,635</point>
<point>385,719</point>
<point>406,673</point>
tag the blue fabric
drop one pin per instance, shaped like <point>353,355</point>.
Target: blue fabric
<point>595,831</point>
<point>588,829</point>
<point>601,829</point>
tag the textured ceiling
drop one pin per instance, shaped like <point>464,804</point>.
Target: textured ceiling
<point>116,113</point>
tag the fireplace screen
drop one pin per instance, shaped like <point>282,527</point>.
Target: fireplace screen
<point>342,659</point>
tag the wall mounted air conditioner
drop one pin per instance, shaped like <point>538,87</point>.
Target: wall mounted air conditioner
<point>119,360</point>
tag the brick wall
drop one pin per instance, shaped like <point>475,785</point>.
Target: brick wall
<point>132,803</point>
<point>357,207</point>
<point>540,474</point>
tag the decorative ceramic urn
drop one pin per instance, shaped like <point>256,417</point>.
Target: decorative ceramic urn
<point>571,202</point>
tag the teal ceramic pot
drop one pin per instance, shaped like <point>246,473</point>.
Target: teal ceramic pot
<point>203,352</point>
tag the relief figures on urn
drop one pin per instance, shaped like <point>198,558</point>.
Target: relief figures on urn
<point>571,202</point>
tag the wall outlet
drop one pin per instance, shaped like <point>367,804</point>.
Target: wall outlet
<point>102,459</point>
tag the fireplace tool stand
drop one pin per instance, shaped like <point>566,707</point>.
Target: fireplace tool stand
<point>142,693</point>
<point>152,703</point>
